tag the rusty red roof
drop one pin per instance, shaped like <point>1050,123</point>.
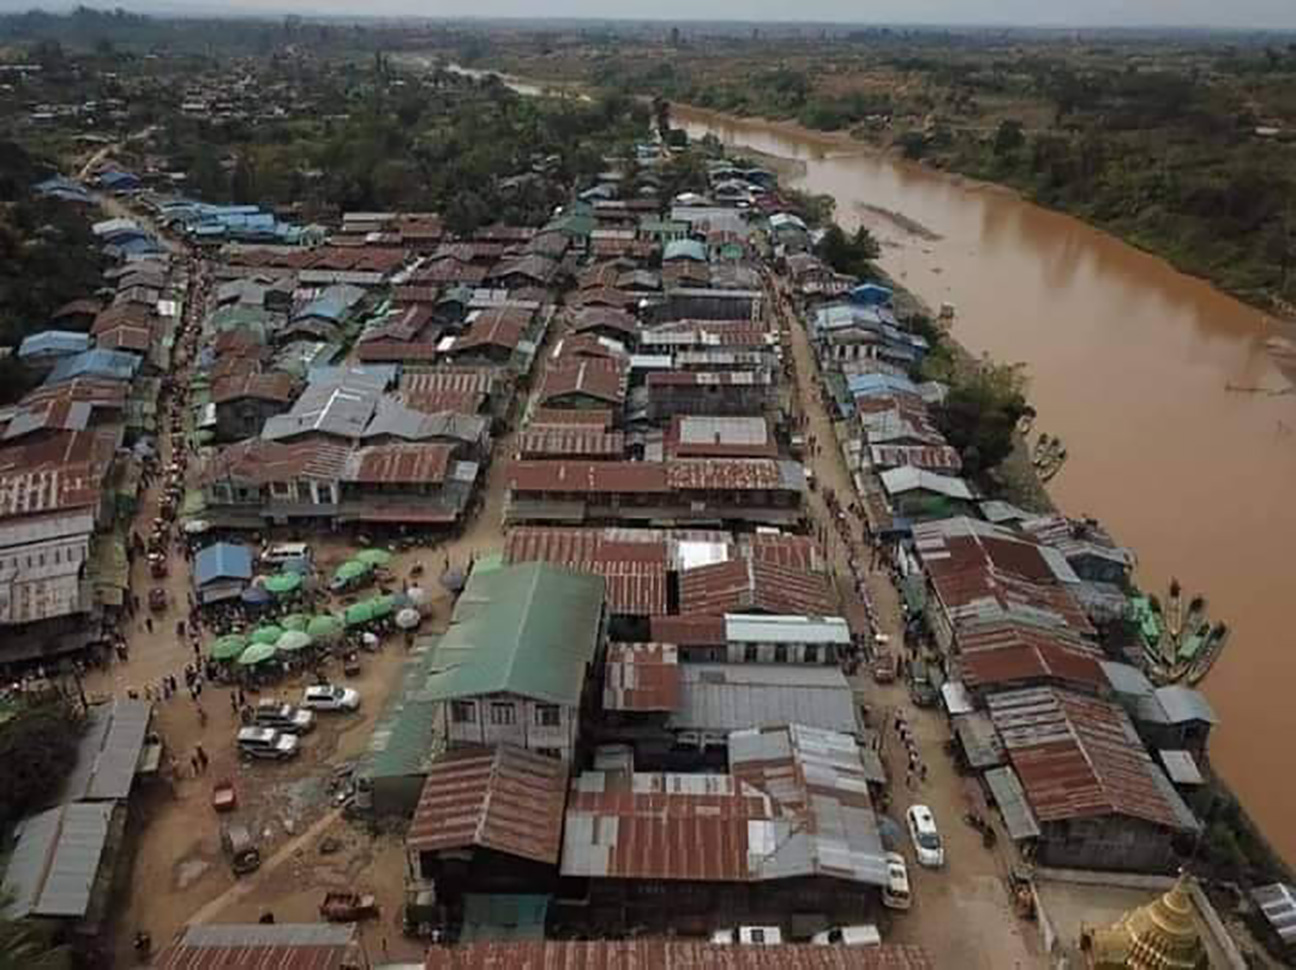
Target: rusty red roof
<point>634,571</point>
<point>600,418</point>
<point>435,402</point>
<point>449,271</point>
<point>603,380</point>
<point>605,296</point>
<point>620,477</point>
<point>695,378</point>
<point>272,386</point>
<point>415,295</point>
<point>1080,757</point>
<point>688,631</point>
<point>257,946</point>
<point>260,462</point>
<point>641,677</point>
<point>125,337</point>
<point>35,492</point>
<point>404,464</point>
<point>706,474</point>
<point>936,458</point>
<point>1001,655</point>
<point>676,954</point>
<point>506,799</point>
<point>395,351</point>
<point>570,442</point>
<point>501,327</point>
<point>795,552</point>
<point>754,586</point>
<point>597,317</point>
<point>477,379</point>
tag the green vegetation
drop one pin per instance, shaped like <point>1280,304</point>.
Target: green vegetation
<point>981,412</point>
<point>25,945</point>
<point>38,749</point>
<point>47,257</point>
<point>1186,148</point>
<point>853,254</point>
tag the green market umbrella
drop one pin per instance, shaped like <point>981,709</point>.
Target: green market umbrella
<point>295,621</point>
<point>351,570</point>
<point>283,584</point>
<point>359,614</point>
<point>228,647</point>
<point>374,557</point>
<point>324,626</point>
<point>381,606</point>
<point>257,653</point>
<point>268,634</point>
<point>294,640</point>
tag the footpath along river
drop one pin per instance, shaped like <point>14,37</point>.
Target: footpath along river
<point>1129,362</point>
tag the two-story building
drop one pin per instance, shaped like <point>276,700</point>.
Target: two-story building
<point>513,668</point>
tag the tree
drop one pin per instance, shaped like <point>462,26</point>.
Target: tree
<point>980,413</point>
<point>27,946</point>
<point>38,750</point>
<point>1008,138</point>
<point>852,255</point>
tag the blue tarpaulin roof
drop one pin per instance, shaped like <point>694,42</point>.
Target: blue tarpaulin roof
<point>224,560</point>
<point>871,385</point>
<point>870,294</point>
<point>109,364</point>
<point>53,342</point>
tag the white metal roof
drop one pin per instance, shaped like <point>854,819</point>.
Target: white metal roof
<point>751,628</point>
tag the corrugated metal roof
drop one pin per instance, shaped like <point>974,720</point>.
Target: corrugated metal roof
<point>819,776</point>
<point>52,868</point>
<point>648,954</point>
<point>632,564</point>
<point>222,560</point>
<point>1183,704</point>
<point>731,697</point>
<point>41,491</point>
<point>506,799</point>
<point>1181,767</point>
<point>1278,904</point>
<point>754,585</point>
<point>600,378</point>
<point>688,631</point>
<point>402,464</point>
<point>405,739</point>
<point>108,753</point>
<point>570,442</point>
<point>932,458</point>
<point>264,946</point>
<point>1006,789</point>
<point>998,655</point>
<point>741,628</point>
<point>641,677</point>
<point>529,630</point>
<point>1080,757</point>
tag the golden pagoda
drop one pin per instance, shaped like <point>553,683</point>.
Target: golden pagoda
<point>1158,936</point>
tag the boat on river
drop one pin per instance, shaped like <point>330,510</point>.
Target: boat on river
<point>1180,645</point>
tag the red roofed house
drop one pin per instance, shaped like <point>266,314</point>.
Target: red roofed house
<point>246,399</point>
<point>1097,798</point>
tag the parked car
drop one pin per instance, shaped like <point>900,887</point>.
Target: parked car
<point>329,697</point>
<point>240,848</point>
<point>283,717</point>
<point>264,742</point>
<point>925,837</point>
<point>862,934</point>
<point>282,553</point>
<point>921,689</point>
<point>895,894</point>
<point>748,936</point>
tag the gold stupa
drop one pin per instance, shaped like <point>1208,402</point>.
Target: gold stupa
<point>1158,936</point>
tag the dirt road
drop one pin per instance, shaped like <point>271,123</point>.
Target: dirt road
<point>961,913</point>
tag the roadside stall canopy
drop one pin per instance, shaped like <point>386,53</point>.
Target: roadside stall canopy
<point>228,647</point>
<point>324,626</point>
<point>295,621</point>
<point>293,640</point>
<point>257,653</point>
<point>374,557</point>
<point>268,634</point>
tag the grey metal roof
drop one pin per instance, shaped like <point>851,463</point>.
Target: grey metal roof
<point>976,732</point>
<point>1127,679</point>
<point>699,429</point>
<point>268,934</point>
<point>1183,704</point>
<point>52,869</point>
<point>744,628</point>
<point>731,697</point>
<point>1182,813</point>
<point>1008,794</point>
<point>1181,767</point>
<point>1277,902</point>
<point>109,752</point>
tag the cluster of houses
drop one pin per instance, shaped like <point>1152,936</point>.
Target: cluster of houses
<point>637,720</point>
<point>1024,618</point>
<point>73,452</point>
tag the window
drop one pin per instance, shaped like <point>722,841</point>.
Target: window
<point>751,653</point>
<point>221,492</point>
<point>811,654</point>
<point>548,715</point>
<point>463,712</point>
<point>503,715</point>
<point>280,489</point>
<point>780,653</point>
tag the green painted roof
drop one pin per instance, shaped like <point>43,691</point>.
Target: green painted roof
<point>405,740</point>
<point>529,630</point>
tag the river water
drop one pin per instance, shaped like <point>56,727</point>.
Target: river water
<point>1129,362</point>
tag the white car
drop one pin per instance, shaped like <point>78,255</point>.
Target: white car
<point>283,717</point>
<point>748,936</point>
<point>926,839</point>
<point>895,894</point>
<point>328,697</point>
<point>263,742</point>
<point>863,934</point>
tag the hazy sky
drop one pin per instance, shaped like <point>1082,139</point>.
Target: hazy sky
<point>1082,13</point>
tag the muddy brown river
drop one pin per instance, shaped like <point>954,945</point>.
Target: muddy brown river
<point>1130,362</point>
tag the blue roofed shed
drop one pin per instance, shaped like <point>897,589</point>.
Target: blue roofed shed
<point>875,385</point>
<point>870,294</point>
<point>222,571</point>
<point>112,365</point>
<point>690,249</point>
<point>49,345</point>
